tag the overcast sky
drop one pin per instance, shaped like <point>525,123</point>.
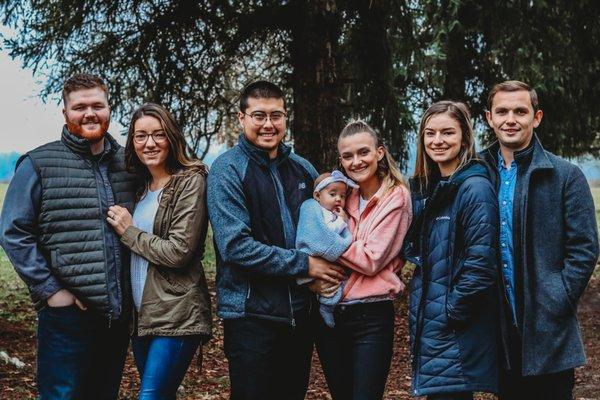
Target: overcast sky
<point>27,121</point>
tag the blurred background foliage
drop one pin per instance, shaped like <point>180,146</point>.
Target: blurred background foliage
<point>381,60</point>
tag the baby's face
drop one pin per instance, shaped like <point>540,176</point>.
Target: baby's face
<point>332,196</point>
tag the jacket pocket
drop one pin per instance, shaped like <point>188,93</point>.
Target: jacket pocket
<point>268,296</point>
<point>553,297</point>
<point>175,282</point>
<point>54,257</point>
<point>59,266</point>
<point>454,321</point>
<point>572,303</point>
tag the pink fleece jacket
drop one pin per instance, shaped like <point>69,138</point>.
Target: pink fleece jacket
<point>377,236</point>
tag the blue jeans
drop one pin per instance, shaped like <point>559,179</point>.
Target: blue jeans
<point>162,362</point>
<point>356,353</point>
<point>79,355</point>
<point>451,396</point>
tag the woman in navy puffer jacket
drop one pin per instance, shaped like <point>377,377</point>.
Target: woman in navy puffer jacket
<point>453,241</point>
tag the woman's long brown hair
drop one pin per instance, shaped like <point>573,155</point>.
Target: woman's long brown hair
<point>178,158</point>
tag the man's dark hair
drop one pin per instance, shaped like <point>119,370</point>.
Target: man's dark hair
<point>513,86</point>
<point>83,81</point>
<point>260,90</point>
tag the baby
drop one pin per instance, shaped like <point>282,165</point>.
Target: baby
<point>323,229</point>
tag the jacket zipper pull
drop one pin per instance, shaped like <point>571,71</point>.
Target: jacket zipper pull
<point>291,307</point>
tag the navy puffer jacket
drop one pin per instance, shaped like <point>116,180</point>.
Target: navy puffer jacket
<point>453,310</point>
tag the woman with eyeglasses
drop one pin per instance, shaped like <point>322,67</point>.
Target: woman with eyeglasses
<point>166,236</point>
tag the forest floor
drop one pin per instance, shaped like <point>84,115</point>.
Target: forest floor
<point>17,338</point>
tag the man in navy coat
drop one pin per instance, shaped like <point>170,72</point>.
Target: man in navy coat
<point>548,247</point>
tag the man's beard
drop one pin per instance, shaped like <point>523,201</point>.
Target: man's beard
<point>91,136</point>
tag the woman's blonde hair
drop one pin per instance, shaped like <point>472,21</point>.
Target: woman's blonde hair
<point>424,165</point>
<point>387,170</point>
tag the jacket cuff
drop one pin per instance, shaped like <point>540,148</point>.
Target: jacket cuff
<point>302,270</point>
<point>45,289</point>
<point>128,237</point>
<point>303,281</point>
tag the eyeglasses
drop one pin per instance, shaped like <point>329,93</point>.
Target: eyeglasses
<point>259,118</point>
<point>158,137</point>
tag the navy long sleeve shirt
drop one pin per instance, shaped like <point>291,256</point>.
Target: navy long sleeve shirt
<point>19,231</point>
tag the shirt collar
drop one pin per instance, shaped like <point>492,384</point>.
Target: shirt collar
<point>501,164</point>
<point>261,156</point>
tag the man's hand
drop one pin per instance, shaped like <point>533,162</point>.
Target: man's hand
<point>64,298</point>
<point>323,288</point>
<point>119,218</point>
<point>323,269</point>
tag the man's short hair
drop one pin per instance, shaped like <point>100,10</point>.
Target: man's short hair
<point>83,81</point>
<point>513,86</point>
<point>260,90</point>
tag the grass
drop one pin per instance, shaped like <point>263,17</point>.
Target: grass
<point>13,292</point>
<point>3,187</point>
<point>596,195</point>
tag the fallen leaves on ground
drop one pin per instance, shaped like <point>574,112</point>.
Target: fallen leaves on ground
<point>18,340</point>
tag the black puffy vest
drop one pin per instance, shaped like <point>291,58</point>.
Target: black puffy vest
<point>71,221</point>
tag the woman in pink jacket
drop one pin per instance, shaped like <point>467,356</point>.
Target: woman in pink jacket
<point>356,353</point>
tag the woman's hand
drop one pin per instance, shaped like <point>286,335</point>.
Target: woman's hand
<point>119,218</point>
<point>323,288</point>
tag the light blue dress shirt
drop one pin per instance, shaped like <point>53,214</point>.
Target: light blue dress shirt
<point>506,193</point>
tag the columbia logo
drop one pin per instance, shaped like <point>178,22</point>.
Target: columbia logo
<point>443,218</point>
<point>302,185</point>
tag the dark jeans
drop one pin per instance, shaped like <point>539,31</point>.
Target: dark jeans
<point>162,362</point>
<point>451,396</point>
<point>356,353</point>
<point>79,356</point>
<point>514,386</point>
<point>269,359</point>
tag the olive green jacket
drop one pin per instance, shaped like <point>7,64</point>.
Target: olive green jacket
<point>175,300</point>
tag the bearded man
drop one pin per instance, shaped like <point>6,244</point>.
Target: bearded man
<point>53,228</point>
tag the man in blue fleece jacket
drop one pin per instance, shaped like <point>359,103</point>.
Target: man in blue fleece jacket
<point>255,191</point>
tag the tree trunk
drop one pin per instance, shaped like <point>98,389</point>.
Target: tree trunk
<point>457,61</point>
<point>317,90</point>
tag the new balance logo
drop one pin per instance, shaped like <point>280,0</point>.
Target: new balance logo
<point>302,185</point>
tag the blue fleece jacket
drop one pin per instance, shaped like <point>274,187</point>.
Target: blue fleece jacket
<point>253,205</point>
